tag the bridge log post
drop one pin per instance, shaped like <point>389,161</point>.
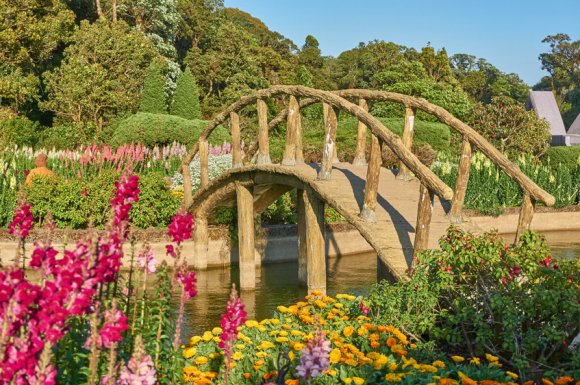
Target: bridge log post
<point>424,213</point>
<point>329,150</point>
<point>408,133</point>
<point>201,243</point>
<point>302,239</point>
<point>245,205</point>
<point>361,138</point>
<point>297,131</point>
<point>372,182</point>
<point>236,140</point>
<point>312,259</point>
<point>263,142</point>
<point>203,163</point>
<point>526,215</point>
<point>456,213</point>
<point>291,124</point>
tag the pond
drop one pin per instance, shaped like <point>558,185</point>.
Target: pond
<point>277,284</point>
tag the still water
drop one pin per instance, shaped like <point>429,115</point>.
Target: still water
<point>277,285</point>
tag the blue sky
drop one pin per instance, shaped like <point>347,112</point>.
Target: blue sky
<point>507,33</point>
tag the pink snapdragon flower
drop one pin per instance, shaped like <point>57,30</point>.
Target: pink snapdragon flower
<point>180,227</point>
<point>188,281</point>
<point>22,221</point>
<point>140,369</point>
<point>146,260</point>
<point>234,316</point>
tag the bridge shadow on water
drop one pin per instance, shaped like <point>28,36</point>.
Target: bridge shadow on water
<point>401,225</point>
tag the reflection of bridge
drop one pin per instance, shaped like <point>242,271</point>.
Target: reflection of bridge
<point>383,208</point>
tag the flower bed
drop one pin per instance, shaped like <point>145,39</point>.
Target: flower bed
<point>357,350</point>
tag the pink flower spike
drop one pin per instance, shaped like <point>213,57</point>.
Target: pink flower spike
<point>22,221</point>
<point>146,260</point>
<point>188,281</point>
<point>180,227</point>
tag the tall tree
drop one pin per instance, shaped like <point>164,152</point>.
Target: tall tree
<point>186,97</point>
<point>152,97</point>
<point>101,75</point>
<point>562,62</point>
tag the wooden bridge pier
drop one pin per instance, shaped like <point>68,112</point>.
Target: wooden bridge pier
<point>247,262</point>
<point>311,241</point>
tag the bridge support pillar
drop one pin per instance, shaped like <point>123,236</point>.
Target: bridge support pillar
<point>372,183</point>
<point>245,204</point>
<point>408,131</point>
<point>263,143</point>
<point>201,243</point>
<point>361,138</point>
<point>311,248</point>
<point>424,213</point>
<point>329,150</point>
<point>526,215</point>
<point>456,213</point>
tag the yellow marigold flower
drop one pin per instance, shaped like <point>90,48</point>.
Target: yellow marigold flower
<point>351,362</point>
<point>213,356</point>
<point>319,304</point>
<point>512,375</point>
<point>282,339</point>
<point>391,377</point>
<point>207,336</point>
<point>252,323</point>
<point>334,356</point>
<point>216,331</point>
<point>261,329</point>
<point>496,364</point>
<point>201,360</point>
<point>265,345</point>
<point>328,299</point>
<point>293,309</point>
<point>347,331</point>
<point>292,381</point>
<point>301,304</point>
<point>264,322</point>
<point>261,354</point>
<point>282,309</point>
<point>413,346</point>
<point>332,372</point>
<point>190,369</point>
<point>393,366</point>
<point>298,346</point>
<point>348,297</point>
<point>358,380</point>
<point>274,321</point>
<point>240,346</point>
<point>439,364</point>
<point>194,340</point>
<point>564,380</point>
<point>286,327</point>
<point>274,333</point>
<point>283,333</point>
<point>237,356</point>
<point>338,305</point>
<point>474,361</point>
<point>362,331</point>
<point>408,362</point>
<point>428,368</point>
<point>217,339</point>
<point>457,359</point>
<point>291,355</point>
<point>232,365</point>
<point>347,380</point>
<point>189,352</point>
<point>547,382</point>
<point>491,357</point>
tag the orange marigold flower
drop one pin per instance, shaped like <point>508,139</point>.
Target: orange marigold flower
<point>468,381</point>
<point>391,342</point>
<point>291,381</point>
<point>375,344</point>
<point>247,376</point>
<point>489,382</point>
<point>446,381</point>
<point>547,382</point>
<point>531,382</point>
<point>347,331</point>
<point>564,380</point>
<point>266,376</point>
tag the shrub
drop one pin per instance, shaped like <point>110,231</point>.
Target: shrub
<point>186,98</point>
<point>568,157</point>
<point>60,138</point>
<point>515,302</point>
<point>158,130</point>
<point>75,203</point>
<point>19,131</point>
<point>510,128</point>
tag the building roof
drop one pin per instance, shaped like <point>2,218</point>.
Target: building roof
<point>544,103</point>
<point>575,127</point>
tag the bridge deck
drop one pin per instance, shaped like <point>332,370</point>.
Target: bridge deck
<point>397,202</point>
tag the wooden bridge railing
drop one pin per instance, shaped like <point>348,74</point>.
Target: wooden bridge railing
<point>336,101</point>
<point>532,192</point>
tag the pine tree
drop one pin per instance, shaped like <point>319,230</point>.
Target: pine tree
<point>186,98</point>
<point>153,95</point>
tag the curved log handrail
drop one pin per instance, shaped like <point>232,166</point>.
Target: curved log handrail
<point>512,170</point>
<point>391,140</point>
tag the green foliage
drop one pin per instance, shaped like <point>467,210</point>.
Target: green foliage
<point>60,137</point>
<point>282,210</point>
<point>568,157</point>
<point>159,129</point>
<point>100,76</point>
<point>510,128</point>
<point>19,131</point>
<point>75,203</point>
<point>490,190</point>
<point>156,203</point>
<point>531,299</point>
<point>152,98</point>
<point>186,98</point>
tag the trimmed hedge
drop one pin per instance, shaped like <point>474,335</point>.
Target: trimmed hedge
<point>434,133</point>
<point>159,129</point>
<point>563,156</point>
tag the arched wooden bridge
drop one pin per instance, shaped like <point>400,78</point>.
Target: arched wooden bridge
<point>381,206</point>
